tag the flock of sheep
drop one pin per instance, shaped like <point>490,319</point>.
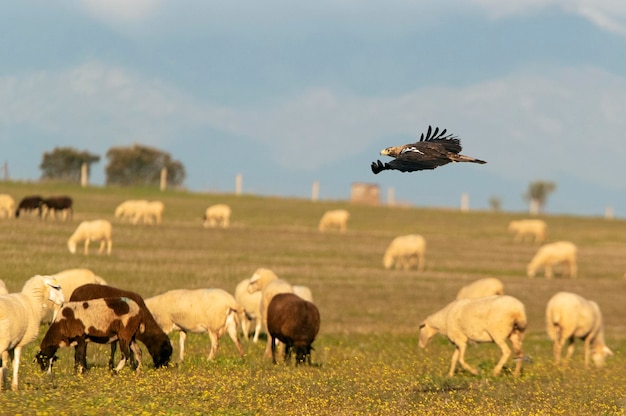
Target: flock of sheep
<point>84,308</point>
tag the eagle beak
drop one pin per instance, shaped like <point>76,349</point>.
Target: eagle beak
<point>385,152</point>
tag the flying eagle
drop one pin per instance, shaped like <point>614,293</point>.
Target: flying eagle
<point>436,149</point>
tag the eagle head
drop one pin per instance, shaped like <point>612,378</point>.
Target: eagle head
<point>393,151</point>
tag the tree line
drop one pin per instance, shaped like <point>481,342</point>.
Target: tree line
<point>136,165</point>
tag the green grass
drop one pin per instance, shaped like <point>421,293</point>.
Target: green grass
<point>366,355</point>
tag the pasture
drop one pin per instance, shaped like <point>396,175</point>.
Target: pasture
<point>366,355</point>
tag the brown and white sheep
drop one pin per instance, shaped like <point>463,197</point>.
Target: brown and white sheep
<point>20,319</point>
<point>7,206</point>
<point>156,341</point>
<point>334,219</point>
<point>96,230</point>
<point>217,215</point>
<point>534,229</point>
<point>98,320</point>
<point>405,252</point>
<point>251,312</point>
<point>481,288</point>
<point>570,316</point>
<point>491,319</point>
<point>266,281</point>
<point>213,311</point>
<point>550,255</point>
<point>295,322</point>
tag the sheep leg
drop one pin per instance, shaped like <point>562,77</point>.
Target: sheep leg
<point>287,354</point>
<point>257,331</point>
<point>5,369</point>
<point>109,246</point>
<point>245,326</point>
<point>570,348</point>
<point>557,346</point>
<point>214,344</point>
<point>87,246</point>
<point>17,353</point>
<point>102,244</point>
<point>273,349</point>
<point>125,352</point>
<point>548,271</point>
<point>587,350</point>
<point>461,357</point>
<point>182,335</point>
<point>232,331</point>
<point>112,358</point>
<point>268,346</point>
<point>80,357</point>
<point>506,353</point>
<point>455,359</point>
<point>136,353</point>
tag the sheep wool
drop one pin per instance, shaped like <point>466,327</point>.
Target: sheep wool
<point>87,231</point>
<point>490,319</point>
<point>481,288</point>
<point>569,317</point>
<point>553,254</point>
<point>405,252</point>
<point>535,230</point>
<point>334,219</point>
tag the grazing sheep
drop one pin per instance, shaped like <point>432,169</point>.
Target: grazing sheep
<point>214,311</point>
<point>3,288</point>
<point>57,203</point>
<point>548,255</point>
<point>153,337</point>
<point>92,230</point>
<point>251,304</point>
<point>295,322</point>
<point>29,204</point>
<point>405,252</point>
<point>570,316</point>
<point>304,292</point>
<point>334,219</point>
<point>98,320</point>
<point>490,319</point>
<point>153,212</point>
<point>265,281</point>
<point>481,288</point>
<point>127,209</point>
<point>217,216</point>
<point>20,318</point>
<point>7,206</point>
<point>528,228</point>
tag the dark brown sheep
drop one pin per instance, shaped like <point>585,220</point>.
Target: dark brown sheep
<point>295,322</point>
<point>55,204</point>
<point>29,203</point>
<point>153,337</point>
<point>98,320</point>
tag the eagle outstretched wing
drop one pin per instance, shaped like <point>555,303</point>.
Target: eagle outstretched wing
<point>432,150</point>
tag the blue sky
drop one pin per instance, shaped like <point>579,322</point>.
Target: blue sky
<point>286,94</point>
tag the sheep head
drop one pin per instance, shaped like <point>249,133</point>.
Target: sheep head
<point>599,355</point>
<point>426,332</point>
<point>71,246</point>
<point>46,359</point>
<point>55,295</point>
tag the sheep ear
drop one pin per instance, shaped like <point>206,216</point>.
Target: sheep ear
<point>607,351</point>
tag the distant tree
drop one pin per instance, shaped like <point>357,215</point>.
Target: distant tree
<point>537,195</point>
<point>141,166</point>
<point>495,203</point>
<point>64,163</point>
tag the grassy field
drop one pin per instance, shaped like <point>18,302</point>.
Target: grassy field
<point>366,355</point>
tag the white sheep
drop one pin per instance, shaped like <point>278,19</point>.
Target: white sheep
<point>266,281</point>
<point>152,213</point>
<point>3,288</point>
<point>481,288</point>
<point>20,319</point>
<point>490,319</point>
<point>570,316</point>
<point>7,206</point>
<point>304,292</point>
<point>549,255</point>
<point>251,303</point>
<point>528,228</point>
<point>405,252</point>
<point>127,209</point>
<point>213,311</point>
<point>97,230</point>
<point>337,219</point>
<point>217,216</point>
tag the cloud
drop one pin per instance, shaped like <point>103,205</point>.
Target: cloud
<point>527,124</point>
